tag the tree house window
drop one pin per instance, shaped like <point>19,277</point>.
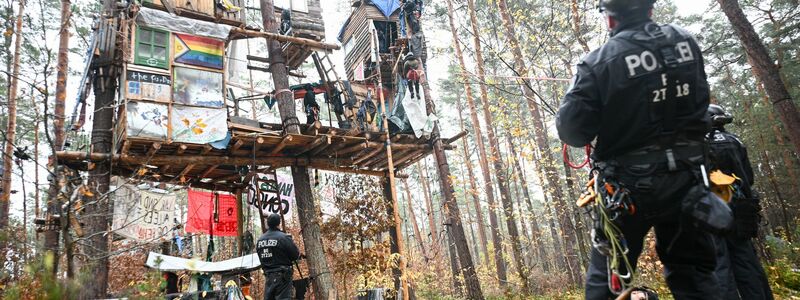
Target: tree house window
<point>295,5</point>
<point>152,48</point>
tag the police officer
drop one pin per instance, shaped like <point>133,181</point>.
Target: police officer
<point>277,251</point>
<point>737,260</point>
<point>643,96</point>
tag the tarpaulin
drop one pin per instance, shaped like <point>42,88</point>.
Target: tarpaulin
<point>209,216</point>
<point>165,21</point>
<point>143,215</point>
<point>387,7</point>
<point>409,114</point>
<point>171,263</point>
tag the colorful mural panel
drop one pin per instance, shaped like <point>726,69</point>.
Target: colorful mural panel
<point>197,87</point>
<point>147,119</point>
<point>199,51</point>
<point>198,125</point>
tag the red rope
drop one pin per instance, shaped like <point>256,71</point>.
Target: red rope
<point>565,153</point>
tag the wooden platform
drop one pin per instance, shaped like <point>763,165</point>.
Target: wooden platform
<point>200,165</point>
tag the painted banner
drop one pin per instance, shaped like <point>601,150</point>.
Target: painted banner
<point>266,194</point>
<point>213,213</point>
<point>198,125</point>
<point>199,51</point>
<point>142,215</point>
<point>147,86</point>
<point>198,87</point>
<point>147,119</point>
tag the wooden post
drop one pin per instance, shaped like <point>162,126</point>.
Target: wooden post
<point>239,221</point>
<point>390,185</point>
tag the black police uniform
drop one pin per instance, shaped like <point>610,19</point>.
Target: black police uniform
<point>644,96</point>
<point>739,269</point>
<point>277,251</point>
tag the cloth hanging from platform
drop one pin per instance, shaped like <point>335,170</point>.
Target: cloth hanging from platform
<point>143,215</point>
<point>175,264</point>
<point>206,216</point>
<point>408,114</point>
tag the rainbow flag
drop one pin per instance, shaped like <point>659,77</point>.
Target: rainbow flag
<point>199,51</point>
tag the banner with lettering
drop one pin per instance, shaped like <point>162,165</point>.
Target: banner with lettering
<point>143,215</point>
<point>148,86</point>
<point>211,212</point>
<point>264,192</point>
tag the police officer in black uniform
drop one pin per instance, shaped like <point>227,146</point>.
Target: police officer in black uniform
<point>643,96</point>
<point>738,257</point>
<point>277,251</point>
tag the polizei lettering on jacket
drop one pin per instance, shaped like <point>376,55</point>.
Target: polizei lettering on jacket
<point>646,61</point>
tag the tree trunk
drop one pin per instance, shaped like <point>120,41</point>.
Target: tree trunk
<point>764,69</point>
<point>11,127</point>
<point>413,220</point>
<point>51,237</point>
<point>473,189</point>
<point>536,233</point>
<point>307,211</point>
<point>423,174</point>
<point>452,212</point>
<point>540,138</point>
<point>496,157</point>
<point>478,137</point>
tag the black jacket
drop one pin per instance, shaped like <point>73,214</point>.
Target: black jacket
<point>275,249</point>
<point>729,155</point>
<point>623,92</point>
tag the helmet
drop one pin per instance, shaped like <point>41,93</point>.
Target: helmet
<point>719,117</point>
<point>273,220</point>
<point>619,8</point>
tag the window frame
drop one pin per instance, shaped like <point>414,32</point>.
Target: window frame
<point>151,43</point>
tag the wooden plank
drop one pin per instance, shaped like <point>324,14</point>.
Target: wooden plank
<point>367,156</point>
<point>153,149</point>
<point>185,170</point>
<point>283,38</point>
<point>238,144</point>
<point>206,148</point>
<point>182,148</point>
<point>281,145</point>
<point>257,146</point>
<point>351,149</point>
<point>208,171</point>
<point>324,140</point>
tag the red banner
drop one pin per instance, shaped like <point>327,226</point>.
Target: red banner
<point>201,214</point>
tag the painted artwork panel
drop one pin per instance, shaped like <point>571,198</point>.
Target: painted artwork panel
<point>148,86</point>
<point>198,125</point>
<point>147,119</point>
<point>198,87</point>
<point>199,51</point>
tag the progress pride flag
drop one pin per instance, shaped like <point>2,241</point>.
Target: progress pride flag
<point>201,214</point>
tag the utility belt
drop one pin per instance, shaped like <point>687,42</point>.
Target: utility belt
<point>691,154</point>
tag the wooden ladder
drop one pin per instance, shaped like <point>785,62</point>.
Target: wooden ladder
<point>330,80</point>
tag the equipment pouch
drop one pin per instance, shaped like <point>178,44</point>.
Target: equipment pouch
<point>706,210</point>
<point>747,218</point>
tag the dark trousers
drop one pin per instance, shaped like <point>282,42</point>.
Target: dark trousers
<point>413,85</point>
<point>278,284</point>
<point>740,270</point>
<point>688,254</point>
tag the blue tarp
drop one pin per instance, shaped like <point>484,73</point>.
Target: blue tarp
<point>387,7</point>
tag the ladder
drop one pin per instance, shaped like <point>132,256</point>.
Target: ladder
<point>330,80</point>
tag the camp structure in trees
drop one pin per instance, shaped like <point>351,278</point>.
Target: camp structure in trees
<point>175,121</point>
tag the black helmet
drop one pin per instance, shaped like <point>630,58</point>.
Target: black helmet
<point>273,220</point>
<point>618,8</point>
<point>719,117</point>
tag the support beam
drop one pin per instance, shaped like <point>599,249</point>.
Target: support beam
<point>153,149</point>
<point>206,148</point>
<point>239,32</point>
<point>182,148</point>
<point>208,171</point>
<point>281,145</point>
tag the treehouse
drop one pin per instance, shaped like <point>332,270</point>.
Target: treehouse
<point>175,122</point>
<point>372,28</point>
